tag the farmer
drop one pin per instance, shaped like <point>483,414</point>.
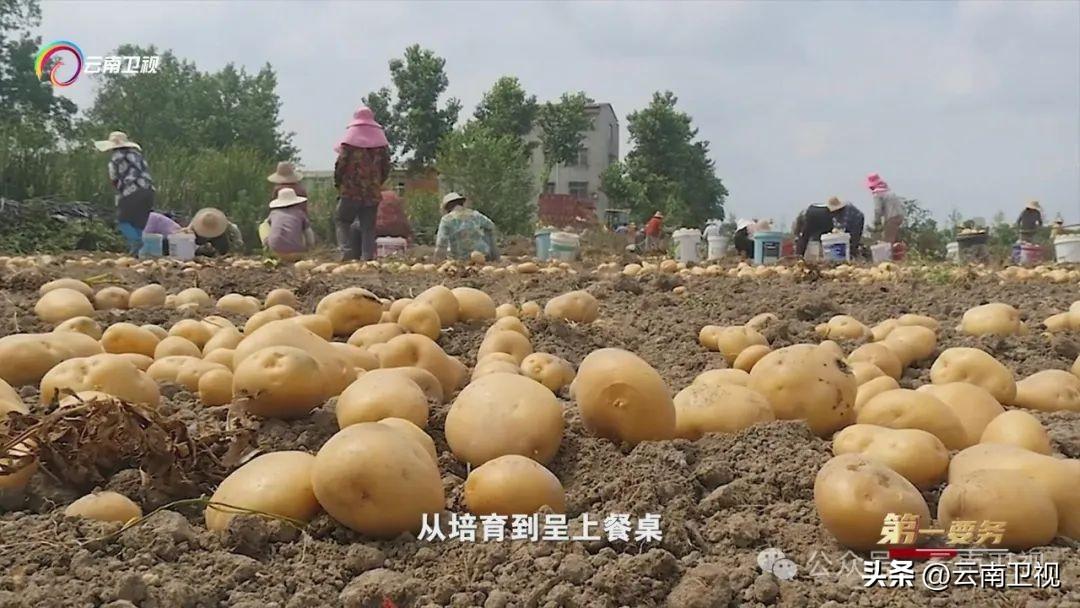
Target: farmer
<point>654,232</point>
<point>287,231</point>
<point>888,209</point>
<point>130,176</point>
<point>463,230</point>
<point>823,219</point>
<point>286,176</point>
<point>363,164</point>
<point>741,238</point>
<point>214,233</point>
<point>1030,221</point>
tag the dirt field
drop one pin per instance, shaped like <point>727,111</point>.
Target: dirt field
<point>722,499</point>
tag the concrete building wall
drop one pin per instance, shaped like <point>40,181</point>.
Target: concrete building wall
<point>600,150</point>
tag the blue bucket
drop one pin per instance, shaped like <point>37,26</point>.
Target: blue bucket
<point>543,245</point>
<point>151,246</point>
<point>767,247</point>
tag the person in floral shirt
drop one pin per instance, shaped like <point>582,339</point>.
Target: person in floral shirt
<point>130,176</point>
<point>362,165</point>
<point>463,230</point>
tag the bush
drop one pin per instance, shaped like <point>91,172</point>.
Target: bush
<point>424,214</point>
<point>41,226</point>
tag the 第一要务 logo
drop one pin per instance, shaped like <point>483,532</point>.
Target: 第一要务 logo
<point>65,62</point>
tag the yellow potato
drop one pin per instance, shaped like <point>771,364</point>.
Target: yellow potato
<point>971,365</point>
<point>19,479</point>
<point>420,318</point>
<point>1050,390</point>
<point>759,322</point>
<point>506,310</point>
<point>1012,497</point>
<point>156,330</point>
<point>414,433</point>
<point>575,306</point>
<point>973,405</point>
<point>530,310</point>
<point>196,332</point>
<point>372,398</point>
<point>66,283</point>
<point>278,483</point>
<point>280,382</point>
<point>176,346</point>
<point>833,349</point>
<point>350,309</point>
<point>316,324</point>
<point>511,485</point>
<point>490,365</point>
<point>1058,323</point>
<point>807,382</point>
<point>396,307</point>
<point>423,378</point>
<point>110,298</point>
<point>10,400</point>
<point>227,338</point>
<point>1018,428</point>
<point>879,332</point>
<point>277,312</point>
<point>879,355</point>
<point>148,296</point>
<point>27,357</point>
<point>865,372</point>
<point>750,356</point>
<point>473,304</point>
<point>991,319</point>
<point>443,301</point>
<point>193,296</point>
<point>843,327</point>
<point>718,408</point>
<point>105,373</point>
<point>907,409</point>
<point>509,342</point>
<point>215,387</point>
<point>911,343</point>
<point>509,324</point>
<point>549,370</point>
<point>917,455</point>
<point>335,370</point>
<point>81,325</point>
<point>59,305</point>
<point>622,398</point>
<point>413,350</point>
<point>378,334</point>
<point>237,304</point>
<point>128,338</point>
<point>717,377</point>
<point>221,356</point>
<point>730,340</point>
<point>923,320</point>
<point>104,506</point>
<point>281,296</point>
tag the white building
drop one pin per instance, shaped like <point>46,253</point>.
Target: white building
<point>600,149</point>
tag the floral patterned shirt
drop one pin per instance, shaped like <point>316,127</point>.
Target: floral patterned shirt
<point>463,231</point>
<point>359,173</point>
<point>129,172</point>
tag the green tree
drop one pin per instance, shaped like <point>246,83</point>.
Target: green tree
<point>562,129</point>
<point>506,109</point>
<point>666,169</point>
<point>920,230</point>
<point>493,172</point>
<point>416,121</point>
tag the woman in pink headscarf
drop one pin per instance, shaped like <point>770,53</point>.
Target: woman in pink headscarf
<point>363,164</point>
<point>888,208</point>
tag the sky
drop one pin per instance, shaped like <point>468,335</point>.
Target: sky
<point>973,106</point>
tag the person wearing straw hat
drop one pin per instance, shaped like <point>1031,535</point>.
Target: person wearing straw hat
<point>888,209</point>
<point>287,232</point>
<point>654,232</point>
<point>130,176</point>
<point>287,176</point>
<point>1030,221</point>
<point>741,240</point>
<point>362,165</point>
<point>463,230</point>
<point>835,214</point>
<point>214,233</point>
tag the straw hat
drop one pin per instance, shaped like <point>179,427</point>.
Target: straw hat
<point>117,139</point>
<point>210,223</point>
<point>834,203</point>
<point>286,174</point>
<point>658,215</point>
<point>286,197</point>
<point>1034,205</point>
<point>452,197</point>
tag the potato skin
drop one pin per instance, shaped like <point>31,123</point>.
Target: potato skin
<point>723,376</point>
<point>513,484</point>
<point>907,409</point>
<point>995,319</point>
<point>370,399</point>
<point>853,494</point>
<point>280,382</point>
<point>880,355</point>
<point>1050,390</point>
<point>551,371</point>
<point>622,398</point>
<point>350,309</point>
<point>709,408</point>
<point>807,382</point>
<point>972,404</point>
<point>1017,428</point>
<point>963,364</point>
<point>911,343</point>
<point>576,306</point>
<point>917,455</point>
<point>104,506</point>
<point>277,482</point>
<point>1013,497</point>
<point>473,304</point>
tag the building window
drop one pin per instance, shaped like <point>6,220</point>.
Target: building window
<point>579,189</point>
<point>582,158</point>
<point>549,188</point>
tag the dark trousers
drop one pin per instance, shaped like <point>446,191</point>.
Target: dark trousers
<point>355,242</point>
<point>132,211</point>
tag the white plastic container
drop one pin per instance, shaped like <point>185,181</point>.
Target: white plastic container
<point>687,241</point>
<point>564,246</point>
<point>717,247</point>
<point>390,245</point>
<point>836,246</point>
<point>952,251</point>
<point>182,246</point>
<point>881,252</point>
<point>1067,248</point>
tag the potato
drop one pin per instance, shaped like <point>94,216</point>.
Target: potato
<point>973,405</point>
<point>105,373</point>
<point>193,296</point>
<point>81,325</point>
<point>356,356</point>
<point>575,306</point>
<point>156,330</point>
<point>622,398</point>
<point>718,408</point>
<point>971,365</point>
<point>443,301</point>
<point>1012,497</point>
<point>142,362</point>
<point>372,479</point>
<point>274,313</point>
<point>197,332</point>
<point>749,357</point>
<point>111,298</point>
<point>759,322</point>
<point>511,485</point>
<point>807,382</point>
<point>879,332</point>
<point>549,370</point>
<point>335,370</point>
<point>66,283</point>
<point>509,324</point>
<point>506,310</point>
<point>104,506</point>
<point>421,318</point>
<point>414,433</point>
<point>865,372</point>
<point>490,365</point>
<point>1058,323</point>
<point>413,350</point>
<point>879,355</point>
<point>279,382</point>
<point>994,319</point>
<point>731,341</point>
<point>917,455</point>
<point>911,343</point>
<point>316,324</point>
<point>61,304</point>
<point>530,310</point>
<point>1059,477</point>
<point>853,494</point>
<point>1050,390</point>
<point>147,296</point>
<point>216,387</point>
<point>1017,428</point>
<point>128,338</point>
<point>176,346</point>
<point>19,479</point>
<point>216,323</point>
<point>10,401</point>
<point>27,357</point>
<point>225,339</point>
<point>833,349</point>
<point>719,377</point>
<point>502,414</point>
<point>843,327</point>
<point>281,296</point>
<point>378,334</point>
<point>237,304</point>
<point>907,409</point>
<point>423,378</point>
<point>181,370</point>
<point>370,399</point>
<point>278,483</point>
<point>509,342</point>
<point>396,307</point>
<point>922,320</point>
<point>221,356</point>
<point>473,304</point>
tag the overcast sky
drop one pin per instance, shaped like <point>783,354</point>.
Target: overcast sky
<point>974,106</point>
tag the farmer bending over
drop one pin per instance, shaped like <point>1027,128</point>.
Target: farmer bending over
<point>463,230</point>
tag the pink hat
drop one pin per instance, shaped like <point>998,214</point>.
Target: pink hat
<point>363,131</point>
<point>876,184</point>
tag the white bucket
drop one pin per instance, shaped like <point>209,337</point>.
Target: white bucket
<point>952,251</point>
<point>835,246</point>
<point>182,246</point>
<point>1067,248</point>
<point>390,245</point>
<point>564,246</point>
<point>717,247</point>
<point>686,244</point>
<point>881,252</point>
